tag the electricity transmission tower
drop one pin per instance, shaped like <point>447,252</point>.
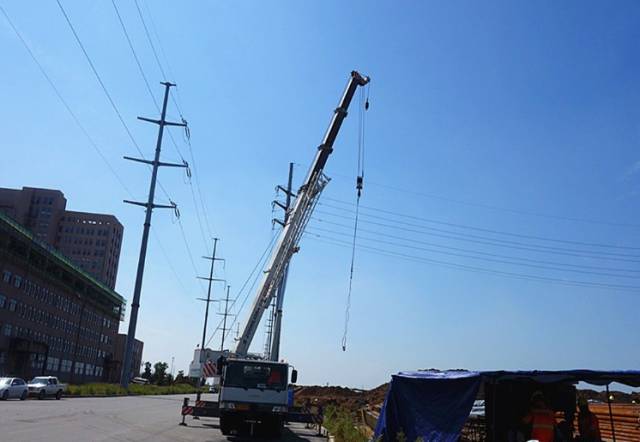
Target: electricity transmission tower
<point>208,299</point>
<point>149,206</point>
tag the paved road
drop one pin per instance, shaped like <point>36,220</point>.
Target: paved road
<point>148,418</point>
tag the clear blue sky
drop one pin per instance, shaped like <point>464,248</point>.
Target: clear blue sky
<point>527,106</point>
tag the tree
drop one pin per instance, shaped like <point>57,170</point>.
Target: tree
<point>180,377</point>
<point>159,372</point>
<point>147,370</point>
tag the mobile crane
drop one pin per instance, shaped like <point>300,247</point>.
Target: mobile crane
<point>254,391</point>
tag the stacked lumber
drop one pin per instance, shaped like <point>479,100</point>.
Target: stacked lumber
<point>626,421</point>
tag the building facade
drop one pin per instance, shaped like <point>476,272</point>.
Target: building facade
<point>118,358</point>
<point>92,241</point>
<point>55,318</point>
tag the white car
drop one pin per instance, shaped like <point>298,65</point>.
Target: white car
<point>13,388</point>
<point>43,386</point>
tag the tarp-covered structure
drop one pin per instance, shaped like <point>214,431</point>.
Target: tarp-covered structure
<point>434,405</point>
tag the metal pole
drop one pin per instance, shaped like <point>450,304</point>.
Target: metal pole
<point>135,304</point>
<point>274,354</point>
<point>206,310</point>
<point>613,430</point>
<point>224,320</point>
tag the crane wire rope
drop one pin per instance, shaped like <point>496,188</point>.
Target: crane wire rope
<point>363,107</point>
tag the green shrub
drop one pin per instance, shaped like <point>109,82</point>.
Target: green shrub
<point>342,426</point>
<point>99,389</point>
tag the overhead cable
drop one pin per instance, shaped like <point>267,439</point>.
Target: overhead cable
<point>481,229</point>
<point>474,269</point>
<point>476,252</point>
<point>64,102</point>
<point>425,230</point>
<point>497,208</point>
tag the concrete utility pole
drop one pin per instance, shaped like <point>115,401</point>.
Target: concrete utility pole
<point>274,353</point>
<point>149,206</point>
<point>208,301</point>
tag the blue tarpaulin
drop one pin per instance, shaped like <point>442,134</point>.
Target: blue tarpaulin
<point>434,405</point>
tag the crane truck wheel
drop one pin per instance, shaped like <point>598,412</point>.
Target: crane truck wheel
<point>274,426</point>
<point>226,424</point>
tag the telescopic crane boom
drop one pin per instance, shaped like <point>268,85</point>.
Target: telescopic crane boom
<point>290,235</point>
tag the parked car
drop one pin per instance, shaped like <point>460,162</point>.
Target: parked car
<point>13,388</point>
<point>43,386</point>
<point>141,381</point>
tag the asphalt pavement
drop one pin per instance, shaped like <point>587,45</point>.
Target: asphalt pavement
<point>131,418</point>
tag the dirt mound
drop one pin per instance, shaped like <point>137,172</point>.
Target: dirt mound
<point>351,399</point>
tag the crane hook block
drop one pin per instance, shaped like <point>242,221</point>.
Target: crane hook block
<point>359,182</point>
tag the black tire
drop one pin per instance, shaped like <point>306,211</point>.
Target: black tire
<point>224,425</point>
<point>24,395</point>
<point>59,395</point>
<point>276,428</point>
<point>41,395</point>
<point>5,395</point>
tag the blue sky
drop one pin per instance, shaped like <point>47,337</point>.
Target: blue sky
<point>517,117</point>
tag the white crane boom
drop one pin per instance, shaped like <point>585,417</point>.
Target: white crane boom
<point>291,233</point>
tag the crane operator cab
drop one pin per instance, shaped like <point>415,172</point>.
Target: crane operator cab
<point>254,396</point>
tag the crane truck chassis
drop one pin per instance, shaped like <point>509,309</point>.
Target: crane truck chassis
<point>254,398</point>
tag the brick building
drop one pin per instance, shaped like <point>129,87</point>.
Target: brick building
<point>92,241</point>
<point>55,318</point>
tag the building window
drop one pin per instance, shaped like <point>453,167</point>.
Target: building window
<point>52,364</point>
<point>3,301</point>
<point>7,329</point>
<point>65,366</point>
<point>12,305</point>
<point>3,357</point>
<point>6,276</point>
<point>89,370</point>
<point>79,368</point>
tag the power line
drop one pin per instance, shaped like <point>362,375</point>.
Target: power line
<point>146,81</point>
<point>106,91</point>
<point>462,255</point>
<point>460,249</point>
<point>496,208</point>
<point>135,55</point>
<point>164,55</point>
<point>188,138</point>
<point>475,269</point>
<point>258,265</point>
<point>95,72</point>
<point>480,229</point>
<point>168,260</point>
<point>155,54</point>
<point>65,104</point>
<point>488,241</point>
<point>189,253</point>
<point>146,31</point>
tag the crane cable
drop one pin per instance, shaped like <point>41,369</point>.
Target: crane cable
<point>364,106</point>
